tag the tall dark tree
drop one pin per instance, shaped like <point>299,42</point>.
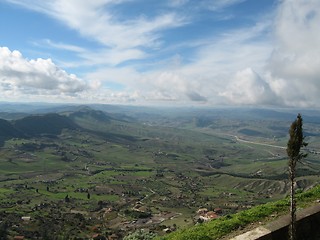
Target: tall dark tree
<point>295,143</point>
<point>4,230</point>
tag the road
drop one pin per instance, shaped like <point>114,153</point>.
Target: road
<point>257,143</point>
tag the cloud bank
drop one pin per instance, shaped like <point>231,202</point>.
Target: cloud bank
<point>36,76</point>
<point>293,67</point>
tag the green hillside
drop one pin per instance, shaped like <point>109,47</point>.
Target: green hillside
<point>44,124</point>
<point>7,130</point>
<point>223,226</point>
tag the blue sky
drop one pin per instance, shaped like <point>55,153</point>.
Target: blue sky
<point>169,52</point>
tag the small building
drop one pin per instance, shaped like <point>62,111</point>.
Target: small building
<point>207,216</point>
<point>212,215</point>
<point>26,218</point>
<point>18,237</point>
<point>202,211</point>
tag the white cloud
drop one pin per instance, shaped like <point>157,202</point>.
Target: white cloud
<point>218,62</point>
<point>246,67</point>
<point>92,19</point>
<point>36,76</point>
<point>62,46</point>
<point>207,77</point>
<point>121,40</point>
<point>248,88</point>
<point>127,76</point>
<point>149,86</point>
<point>212,5</point>
<point>102,56</point>
<point>217,5</point>
<point>236,50</point>
<point>293,69</point>
<point>111,57</point>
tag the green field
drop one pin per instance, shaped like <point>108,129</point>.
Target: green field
<point>113,174</point>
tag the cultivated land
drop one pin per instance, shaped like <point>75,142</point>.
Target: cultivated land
<point>105,170</point>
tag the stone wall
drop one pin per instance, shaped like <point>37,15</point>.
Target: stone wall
<point>308,227</point>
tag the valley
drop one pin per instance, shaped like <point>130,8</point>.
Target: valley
<point>79,172</point>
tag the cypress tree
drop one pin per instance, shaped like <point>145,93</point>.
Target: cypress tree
<point>295,143</point>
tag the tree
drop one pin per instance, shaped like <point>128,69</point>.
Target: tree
<point>4,230</point>
<point>295,143</point>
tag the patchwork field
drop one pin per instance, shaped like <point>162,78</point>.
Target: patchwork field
<point>111,171</point>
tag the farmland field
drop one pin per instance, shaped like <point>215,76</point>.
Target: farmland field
<point>112,170</point>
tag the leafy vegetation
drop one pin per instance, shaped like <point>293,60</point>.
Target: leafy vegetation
<point>140,235</point>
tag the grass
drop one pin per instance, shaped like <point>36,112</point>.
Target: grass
<point>225,225</point>
<point>4,192</point>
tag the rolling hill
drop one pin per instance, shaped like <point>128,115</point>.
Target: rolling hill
<point>43,124</point>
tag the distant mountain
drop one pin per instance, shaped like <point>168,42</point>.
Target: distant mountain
<point>95,114</point>
<point>51,123</point>
<point>272,114</point>
<point>12,115</point>
<point>8,131</point>
<point>102,124</point>
<point>34,108</point>
<point>307,115</point>
<point>87,112</point>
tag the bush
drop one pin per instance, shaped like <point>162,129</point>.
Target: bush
<point>140,235</point>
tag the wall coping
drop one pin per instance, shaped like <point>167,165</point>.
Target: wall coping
<point>277,224</point>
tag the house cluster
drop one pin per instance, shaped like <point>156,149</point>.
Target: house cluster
<point>204,215</point>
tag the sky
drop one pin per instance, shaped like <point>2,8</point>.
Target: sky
<point>168,52</point>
